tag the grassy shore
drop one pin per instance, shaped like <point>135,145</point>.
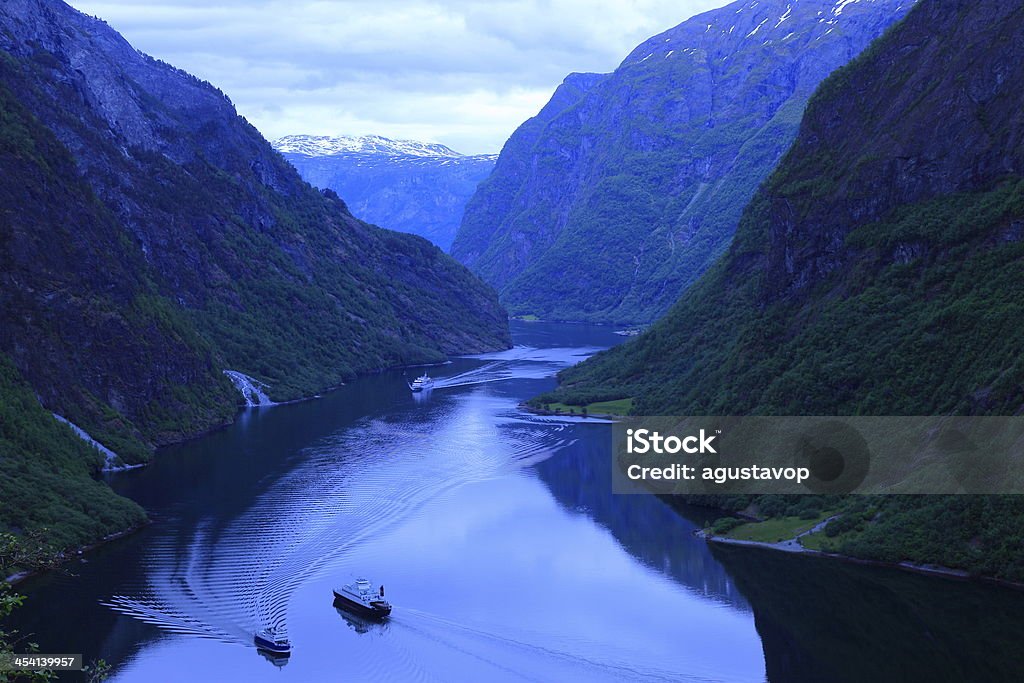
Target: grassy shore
<point>774,530</point>
<point>797,535</point>
<point>620,407</point>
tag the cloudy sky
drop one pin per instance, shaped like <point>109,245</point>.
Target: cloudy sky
<point>461,72</point>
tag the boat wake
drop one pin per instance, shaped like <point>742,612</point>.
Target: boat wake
<point>520,362</point>
<point>226,580</point>
<point>544,652</point>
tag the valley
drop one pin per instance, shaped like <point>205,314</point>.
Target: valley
<point>243,365</point>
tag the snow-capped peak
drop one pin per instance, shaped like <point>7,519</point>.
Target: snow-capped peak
<point>326,145</point>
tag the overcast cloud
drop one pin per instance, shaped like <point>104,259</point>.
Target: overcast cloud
<point>464,73</point>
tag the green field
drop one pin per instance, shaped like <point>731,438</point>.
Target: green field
<point>774,530</point>
<point>622,406</point>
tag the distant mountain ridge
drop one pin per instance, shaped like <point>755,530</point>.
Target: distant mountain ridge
<point>330,145</point>
<point>627,186</point>
<point>415,187</point>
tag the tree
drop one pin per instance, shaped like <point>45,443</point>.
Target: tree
<point>28,552</point>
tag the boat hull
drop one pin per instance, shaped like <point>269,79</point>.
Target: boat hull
<point>271,647</point>
<point>376,612</point>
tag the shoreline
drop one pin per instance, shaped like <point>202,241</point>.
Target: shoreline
<point>607,417</point>
<point>519,319</point>
<point>66,556</point>
<point>793,547</point>
<point>242,408</point>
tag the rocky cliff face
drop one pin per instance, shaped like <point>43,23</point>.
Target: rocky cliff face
<point>515,188</point>
<point>625,189</point>
<point>150,239</point>
<point>878,270</point>
<point>933,116</point>
<point>401,185</point>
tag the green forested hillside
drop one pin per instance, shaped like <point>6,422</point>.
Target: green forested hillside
<point>878,271</point>
<point>626,188</point>
<point>151,239</point>
<point>46,475</point>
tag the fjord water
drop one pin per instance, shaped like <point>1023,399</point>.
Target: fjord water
<point>500,545</point>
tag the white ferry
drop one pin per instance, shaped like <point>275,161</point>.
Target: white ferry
<point>422,383</point>
<point>362,597</point>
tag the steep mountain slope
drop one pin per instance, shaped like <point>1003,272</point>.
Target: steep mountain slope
<point>880,270</point>
<point>151,239</point>
<point>515,188</point>
<point>46,475</point>
<point>403,185</point>
<point>628,186</point>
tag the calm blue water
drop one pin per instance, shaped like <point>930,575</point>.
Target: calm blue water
<point>501,547</point>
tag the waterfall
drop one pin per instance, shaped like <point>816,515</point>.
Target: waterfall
<point>252,389</point>
<point>112,462</point>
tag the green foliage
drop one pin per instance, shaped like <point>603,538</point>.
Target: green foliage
<point>724,525</point>
<point>141,260</point>
<point>97,671</point>
<point>18,553</point>
<point>980,534</point>
<point>11,644</point>
<point>46,478</point>
<point>618,197</point>
<point>855,286</point>
<point>933,335</point>
<point>619,407</point>
<point>944,222</point>
<point>924,337</point>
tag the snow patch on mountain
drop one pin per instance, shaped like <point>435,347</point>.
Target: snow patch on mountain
<point>766,22</point>
<point>327,145</point>
<point>838,9</point>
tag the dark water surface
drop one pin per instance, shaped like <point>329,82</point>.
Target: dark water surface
<point>501,547</point>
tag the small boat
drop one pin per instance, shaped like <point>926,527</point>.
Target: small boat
<point>422,383</point>
<point>269,641</point>
<point>361,597</point>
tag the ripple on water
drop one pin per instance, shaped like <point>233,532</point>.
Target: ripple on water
<point>227,580</point>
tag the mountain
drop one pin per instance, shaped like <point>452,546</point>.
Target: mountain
<point>879,271</point>
<point>151,239</point>
<point>369,145</point>
<point>47,486</point>
<point>628,186</point>
<point>415,187</point>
